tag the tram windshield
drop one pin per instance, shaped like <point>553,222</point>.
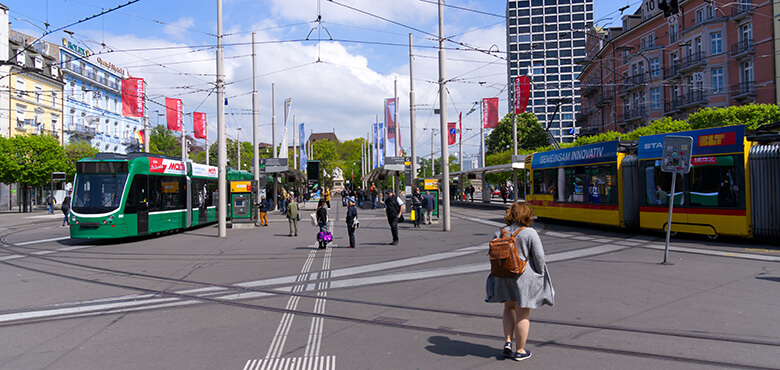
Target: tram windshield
<point>98,193</point>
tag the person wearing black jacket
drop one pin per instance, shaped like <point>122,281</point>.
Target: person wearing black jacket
<point>351,216</point>
<point>263,209</point>
<point>394,207</point>
<point>417,201</point>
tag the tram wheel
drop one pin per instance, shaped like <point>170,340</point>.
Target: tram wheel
<point>713,237</point>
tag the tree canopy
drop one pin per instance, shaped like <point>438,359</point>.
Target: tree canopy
<point>30,159</point>
<point>530,134</point>
<point>76,151</point>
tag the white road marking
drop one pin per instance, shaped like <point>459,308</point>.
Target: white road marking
<point>293,363</point>
<point>747,256</point>
<point>41,241</point>
<point>280,338</point>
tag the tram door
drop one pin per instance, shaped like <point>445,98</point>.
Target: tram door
<point>142,190</point>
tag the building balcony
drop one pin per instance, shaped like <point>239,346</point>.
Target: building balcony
<point>635,114</point>
<point>632,83</point>
<point>581,117</point>
<point>740,11</point>
<point>604,98</point>
<point>672,105</point>
<point>672,72</point>
<point>589,89</point>
<point>693,98</point>
<point>742,49</point>
<point>589,131</point>
<point>81,130</point>
<point>743,90</point>
<point>692,62</point>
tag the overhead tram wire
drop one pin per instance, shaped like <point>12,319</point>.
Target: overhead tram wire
<point>488,52</point>
<point>146,19</point>
<point>27,47</point>
<point>466,9</point>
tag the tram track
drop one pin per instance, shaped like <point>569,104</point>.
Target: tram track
<point>228,289</point>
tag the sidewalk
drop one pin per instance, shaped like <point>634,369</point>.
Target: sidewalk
<point>14,218</point>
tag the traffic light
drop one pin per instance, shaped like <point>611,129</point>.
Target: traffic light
<point>670,7</point>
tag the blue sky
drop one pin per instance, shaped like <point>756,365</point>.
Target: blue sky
<point>334,85</point>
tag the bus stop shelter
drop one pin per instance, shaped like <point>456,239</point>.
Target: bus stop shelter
<point>518,164</point>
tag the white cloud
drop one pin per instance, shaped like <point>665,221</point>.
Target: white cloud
<point>179,27</point>
<point>341,92</point>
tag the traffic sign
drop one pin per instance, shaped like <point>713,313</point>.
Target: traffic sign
<point>677,154</point>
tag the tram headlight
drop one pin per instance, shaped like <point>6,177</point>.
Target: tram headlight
<point>111,218</point>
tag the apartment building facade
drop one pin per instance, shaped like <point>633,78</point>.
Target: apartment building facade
<point>93,102</point>
<point>653,67</point>
<point>35,99</point>
<point>545,40</point>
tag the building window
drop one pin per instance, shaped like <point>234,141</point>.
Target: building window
<point>699,16</point>
<point>655,67</point>
<point>673,33</point>
<point>625,56</point>
<point>538,68</point>
<point>38,62</point>
<point>716,43</point>
<point>20,91</point>
<point>20,114</point>
<point>38,94</point>
<point>54,98</point>
<point>54,125</point>
<point>655,98</point>
<point>746,32</point>
<point>746,71</point>
<point>717,80</point>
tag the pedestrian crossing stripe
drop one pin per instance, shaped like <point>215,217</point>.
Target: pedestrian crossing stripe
<point>292,363</point>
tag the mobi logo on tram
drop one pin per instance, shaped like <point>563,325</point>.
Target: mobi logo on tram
<point>726,138</point>
<point>156,165</point>
<point>162,165</point>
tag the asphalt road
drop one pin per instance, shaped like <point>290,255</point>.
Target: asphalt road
<point>261,300</point>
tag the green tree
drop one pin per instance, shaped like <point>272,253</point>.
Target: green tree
<point>164,141</point>
<point>33,159</point>
<point>530,134</point>
<point>76,151</point>
<point>751,115</point>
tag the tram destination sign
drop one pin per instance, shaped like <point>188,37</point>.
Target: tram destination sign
<point>586,154</point>
<point>273,165</point>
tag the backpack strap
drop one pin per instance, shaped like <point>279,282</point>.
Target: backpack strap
<point>516,232</point>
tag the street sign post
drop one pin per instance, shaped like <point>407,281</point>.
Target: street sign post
<point>676,159</point>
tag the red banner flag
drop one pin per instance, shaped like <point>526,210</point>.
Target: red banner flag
<point>133,97</point>
<point>173,111</point>
<point>452,134</point>
<point>522,93</point>
<point>199,125</point>
<point>490,112</point>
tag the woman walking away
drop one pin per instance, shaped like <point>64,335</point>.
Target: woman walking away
<point>520,294</point>
<point>322,220</point>
<point>351,218</point>
<point>66,210</point>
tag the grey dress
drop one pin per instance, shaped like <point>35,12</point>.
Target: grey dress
<point>533,288</point>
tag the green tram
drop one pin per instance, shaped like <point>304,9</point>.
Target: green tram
<point>118,196</point>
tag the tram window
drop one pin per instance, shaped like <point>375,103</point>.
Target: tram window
<point>155,193</point>
<point>173,190</point>
<point>575,185</point>
<point>544,181</point>
<point>658,184</point>
<point>131,205</point>
<point>602,184</point>
<point>717,181</point>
